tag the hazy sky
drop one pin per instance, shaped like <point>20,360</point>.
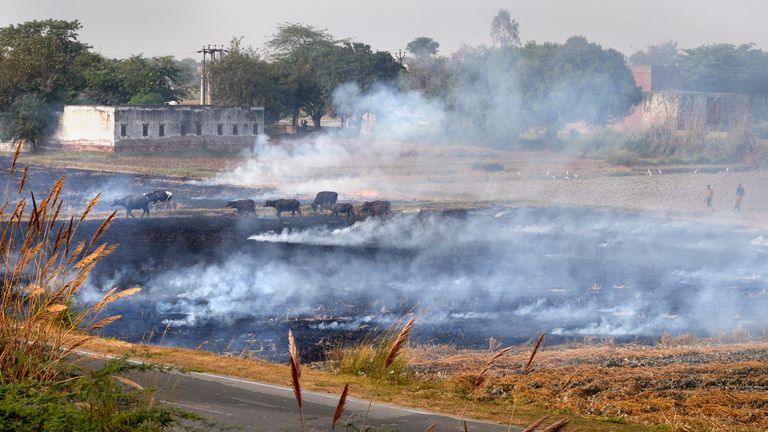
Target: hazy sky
<point>180,27</point>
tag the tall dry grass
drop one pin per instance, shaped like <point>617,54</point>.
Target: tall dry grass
<point>367,355</point>
<point>43,267</point>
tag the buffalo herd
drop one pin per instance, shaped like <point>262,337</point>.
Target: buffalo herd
<point>324,201</point>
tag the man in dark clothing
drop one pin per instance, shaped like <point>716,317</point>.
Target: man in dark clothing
<point>710,194</point>
<point>740,192</point>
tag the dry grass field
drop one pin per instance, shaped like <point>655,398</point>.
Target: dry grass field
<point>680,384</point>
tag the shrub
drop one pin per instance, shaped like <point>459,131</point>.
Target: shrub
<point>366,356</point>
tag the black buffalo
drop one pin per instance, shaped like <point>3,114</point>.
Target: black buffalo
<point>324,199</point>
<point>285,205</point>
<point>160,196</point>
<point>133,202</point>
<point>375,208</point>
<point>343,208</point>
<point>242,206</point>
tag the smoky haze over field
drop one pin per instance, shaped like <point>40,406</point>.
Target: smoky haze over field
<point>506,273</point>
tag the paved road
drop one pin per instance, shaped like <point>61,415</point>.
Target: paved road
<point>252,406</point>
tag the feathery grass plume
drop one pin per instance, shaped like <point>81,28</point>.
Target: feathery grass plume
<point>23,180</point>
<point>431,428</point>
<point>402,337</point>
<point>565,386</point>
<point>532,427</point>
<point>94,256</point>
<point>104,322</point>
<point>400,340</point>
<point>488,365</point>
<point>533,353</point>
<point>481,378</point>
<point>556,427</point>
<point>35,215</point>
<point>296,375</point>
<point>90,207</point>
<point>340,407</point>
<point>15,159</point>
<point>102,228</point>
<point>68,234</point>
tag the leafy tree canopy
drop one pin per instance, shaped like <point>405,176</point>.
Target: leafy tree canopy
<point>505,31</point>
<point>29,118</point>
<point>662,54</point>
<point>423,47</point>
<point>38,57</point>
<point>726,68</point>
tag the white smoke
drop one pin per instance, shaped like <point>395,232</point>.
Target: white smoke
<point>509,273</point>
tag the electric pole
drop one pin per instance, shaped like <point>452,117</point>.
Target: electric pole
<point>206,97</point>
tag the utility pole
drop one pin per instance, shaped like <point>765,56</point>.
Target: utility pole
<point>206,97</point>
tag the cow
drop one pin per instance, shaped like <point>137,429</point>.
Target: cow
<point>285,205</point>
<point>242,206</point>
<point>160,196</point>
<point>375,208</point>
<point>324,199</point>
<point>343,208</point>
<point>133,202</point>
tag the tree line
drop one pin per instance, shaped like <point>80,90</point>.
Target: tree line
<point>490,94</point>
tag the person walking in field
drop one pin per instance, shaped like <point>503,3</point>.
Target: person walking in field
<point>740,192</point>
<point>710,194</point>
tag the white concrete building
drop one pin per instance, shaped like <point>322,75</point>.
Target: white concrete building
<point>155,128</point>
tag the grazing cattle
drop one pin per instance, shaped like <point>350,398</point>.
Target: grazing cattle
<point>243,206</point>
<point>133,202</point>
<point>343,208</point>
<point>285,205</point>
<point>160,196</point>
<point>324,199</point>
<point>375,208</point>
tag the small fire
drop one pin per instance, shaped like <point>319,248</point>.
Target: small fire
<point>366,194</point>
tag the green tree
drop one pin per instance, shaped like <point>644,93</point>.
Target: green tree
<point>576,81</point>
<point>151,80</point>
<point>662,54</point>
<point>726,68</point>
<point>243,78</point>
<point>136,80</point>
<point>102,81</point>
<point>423,47</point>
<point>37,57</point>
<point>299,52</point>
<point>505,32</point>
<point>29,118</point>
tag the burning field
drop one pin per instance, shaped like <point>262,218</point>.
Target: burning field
<point>502,272</point>
<point>509,273</point>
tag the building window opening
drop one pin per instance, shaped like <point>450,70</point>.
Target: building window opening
<point>198,129</point>
<point>123,130</point>
<point>145,129</point>
<point>183,129</point>
<point>220,129</point>
<point>161,130</point>
<point>234,129</point>
<point>255,128</point>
